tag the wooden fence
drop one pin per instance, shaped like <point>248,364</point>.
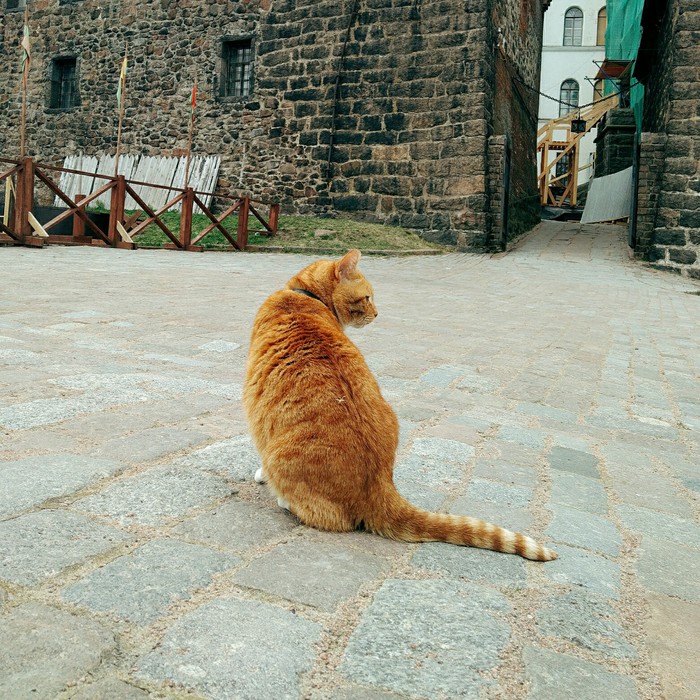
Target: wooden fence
<point>19,226</point>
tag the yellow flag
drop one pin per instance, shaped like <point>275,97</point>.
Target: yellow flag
<point>122,82</point>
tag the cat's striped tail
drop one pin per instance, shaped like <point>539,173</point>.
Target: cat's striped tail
<point>403,521</point>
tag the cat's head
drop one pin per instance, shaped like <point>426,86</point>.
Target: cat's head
<point>353,296</point>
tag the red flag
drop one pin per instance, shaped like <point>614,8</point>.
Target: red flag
<point>194,98</point>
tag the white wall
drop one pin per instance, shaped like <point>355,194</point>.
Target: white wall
<point>559,63</point>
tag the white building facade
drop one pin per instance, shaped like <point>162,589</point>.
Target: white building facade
<point>573,38</point>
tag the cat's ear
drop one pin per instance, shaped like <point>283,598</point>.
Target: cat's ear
<point>347,265</point>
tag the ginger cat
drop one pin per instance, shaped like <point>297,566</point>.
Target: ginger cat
<point>326,435</point>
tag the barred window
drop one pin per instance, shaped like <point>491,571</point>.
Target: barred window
<point>64,83</point>
<point>573,27</point>
<point>237,68</point>
<point>568,96</point>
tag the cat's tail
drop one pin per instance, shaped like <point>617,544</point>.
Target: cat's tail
<point>401,520</point>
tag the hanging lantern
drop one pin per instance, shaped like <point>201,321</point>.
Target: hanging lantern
<point>578,126</point>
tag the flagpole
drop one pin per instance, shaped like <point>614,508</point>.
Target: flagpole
<point>120,97</point>
<point>25,71</point>
<point>189,140</point>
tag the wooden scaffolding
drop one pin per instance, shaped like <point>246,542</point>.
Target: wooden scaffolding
<point>558,136</point>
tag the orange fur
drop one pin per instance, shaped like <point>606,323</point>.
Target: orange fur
<point>326,436</point>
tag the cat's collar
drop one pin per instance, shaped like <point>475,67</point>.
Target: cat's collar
<point>307,293</point>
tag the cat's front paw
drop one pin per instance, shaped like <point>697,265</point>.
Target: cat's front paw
<point>260,476</point>
<point>282,503</point>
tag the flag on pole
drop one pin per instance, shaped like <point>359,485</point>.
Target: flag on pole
<point>26,51</point>
<point>122,82</point>
<point>194,98</point>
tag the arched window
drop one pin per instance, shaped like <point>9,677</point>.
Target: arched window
<point>573,27</point>
<point>568,94</point>
<point>602,26</point>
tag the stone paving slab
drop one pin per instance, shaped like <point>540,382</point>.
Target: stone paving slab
<point>237,526</point>
<point>587,621</point>
<point>673,629</point>
<point>553,390</point>
<point>583,529</point>
<point>670,568</point>
<point>155,496</point>
<point>471,564</point>
<point>579,567</point>
<point>38,546</point>
<point>554,676</point>
<point>141,585</point>
<point>61,475</point>
<point>235,458</point>
<point>300,572</point>
<point>42,649</point>
<point>428,639</point>
<point>234,648</point>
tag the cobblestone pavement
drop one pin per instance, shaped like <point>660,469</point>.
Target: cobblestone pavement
<point>553,389</point>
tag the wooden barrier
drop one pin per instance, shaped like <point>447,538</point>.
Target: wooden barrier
<point>18,225</point>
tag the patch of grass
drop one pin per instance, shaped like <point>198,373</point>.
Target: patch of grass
<point>295,233</point>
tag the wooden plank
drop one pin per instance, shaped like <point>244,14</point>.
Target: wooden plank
<point>216,223</point>
<point>160,172</point>
<point>34,241</point>
<point>105,166</point>
<point>65,182</point>
<point>210,177</point>
<point>178,181</point>
<point>38,228</point>
<point>86,183</point>
<point>123,233</point>
<point>139,175</point>
<point>9,192</point>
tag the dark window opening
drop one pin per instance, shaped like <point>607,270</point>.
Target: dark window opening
<point>563,167</point>
<point>64,83</point>
<point>16,4</point>
<point>237,68</point>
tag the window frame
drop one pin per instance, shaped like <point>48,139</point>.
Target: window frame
<point>228,85</point>
<point>57,76</point>
<point>601,25</point>
<point>566,90</point>
<point>571,31</point>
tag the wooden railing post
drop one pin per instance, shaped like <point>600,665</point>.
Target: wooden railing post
<point>186,221</point>
<point>24,201</point>
<point>242,233</point>
<point>274,217</point>
<point>79,237</point>
<point>116,212</point>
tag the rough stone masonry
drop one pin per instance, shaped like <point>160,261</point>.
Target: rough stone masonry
<point>382,108</point>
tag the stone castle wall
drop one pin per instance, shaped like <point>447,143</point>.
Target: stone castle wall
<point>396,96</point>
<point>670,204</point>
<point>515,105</point>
